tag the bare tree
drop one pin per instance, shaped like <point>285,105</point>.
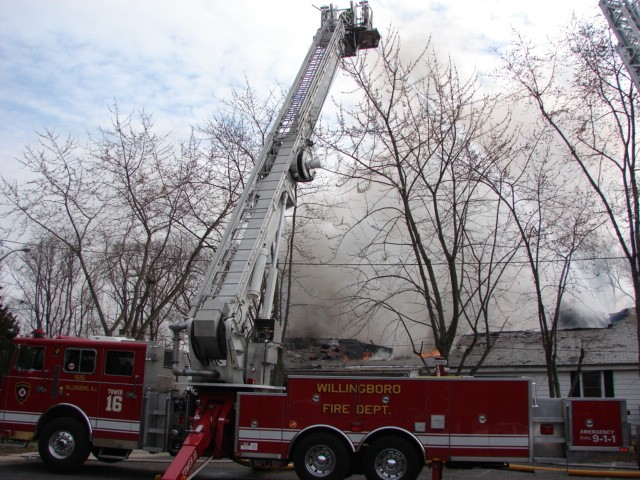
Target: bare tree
<point>52,289</point>
<point>554,222</point>
<point>582,91</point>
<point>140,220</point>
<point>133,215</point>
<point>9,329</point>
<point>434,246</point>
<point>170,210</point>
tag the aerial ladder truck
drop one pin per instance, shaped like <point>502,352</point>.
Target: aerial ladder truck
<point>109,396</point>
<point>233,337</point>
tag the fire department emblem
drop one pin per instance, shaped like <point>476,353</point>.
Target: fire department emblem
<point>22,392</point>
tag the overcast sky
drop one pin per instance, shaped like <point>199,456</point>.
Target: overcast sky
<point>64,62</point>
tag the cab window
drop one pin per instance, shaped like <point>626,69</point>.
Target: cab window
<point>30,358</point>
<point>78,360</point>
<point>5,359</point>
<point>119,363</point>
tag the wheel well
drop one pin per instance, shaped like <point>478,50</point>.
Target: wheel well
<point>320,429</point>
<point>63,410</point>
<point>397,432</point>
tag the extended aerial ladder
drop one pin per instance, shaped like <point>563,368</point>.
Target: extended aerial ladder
<point>233,337</point>
<point>624,19</point>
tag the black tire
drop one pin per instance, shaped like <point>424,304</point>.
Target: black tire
<point>321,456</point>
<point>392,458</point>
<point>64,444</point>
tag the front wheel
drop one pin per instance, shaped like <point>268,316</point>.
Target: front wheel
<point>321,456</point>
<point>392,458</point>
<point>64,444</point>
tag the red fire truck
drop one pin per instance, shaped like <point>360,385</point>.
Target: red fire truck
<point>75,396</point>
<point>108,396</point>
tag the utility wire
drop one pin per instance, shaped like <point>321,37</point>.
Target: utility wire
<point>344,264</point>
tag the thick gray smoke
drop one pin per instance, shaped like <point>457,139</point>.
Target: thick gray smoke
<point>576,316</point>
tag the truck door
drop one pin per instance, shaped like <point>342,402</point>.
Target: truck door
<point>509,419</point>
<point>79,378</point>
<point>438,419</point>
<point>490,419</point>
<point>25,392</point>
<point>470,417</point>
<point>596,424</point>
<point>120,402</point>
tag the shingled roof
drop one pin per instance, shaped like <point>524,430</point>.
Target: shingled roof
<point>616,344</point>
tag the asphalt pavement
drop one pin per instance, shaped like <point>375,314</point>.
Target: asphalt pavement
<point>17,465</point>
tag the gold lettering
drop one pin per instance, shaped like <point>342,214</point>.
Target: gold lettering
<point>372,409</point>
<point>361,388</point>
<point>336,408</point>
<point>79,388</point>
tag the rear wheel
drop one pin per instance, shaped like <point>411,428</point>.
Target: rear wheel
<point>321,456</point>
<point>64,444</point>
<point>392,458</point>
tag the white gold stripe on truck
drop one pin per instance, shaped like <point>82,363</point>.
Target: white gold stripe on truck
<point>103,424</point>
<point>437,440</point>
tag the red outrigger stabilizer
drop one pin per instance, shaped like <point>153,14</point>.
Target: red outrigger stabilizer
<point>210,428</point>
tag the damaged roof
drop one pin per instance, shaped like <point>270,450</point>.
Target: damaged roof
<point>343,356</point>
<point>616,344</point>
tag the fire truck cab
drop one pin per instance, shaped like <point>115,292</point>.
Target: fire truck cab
<point>76,396</point>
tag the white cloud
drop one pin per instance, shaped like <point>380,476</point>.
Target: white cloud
<point>63,62</point>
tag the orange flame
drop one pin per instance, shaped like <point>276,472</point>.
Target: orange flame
<point>434,353</point>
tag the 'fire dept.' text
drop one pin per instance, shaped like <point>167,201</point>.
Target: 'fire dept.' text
<point>346,409</point>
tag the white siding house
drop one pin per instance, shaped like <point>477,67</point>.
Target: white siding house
<point>609,367</point>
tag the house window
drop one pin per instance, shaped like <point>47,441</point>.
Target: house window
<point>592,384</point>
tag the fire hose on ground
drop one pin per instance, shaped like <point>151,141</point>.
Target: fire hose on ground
<point>577,472</point>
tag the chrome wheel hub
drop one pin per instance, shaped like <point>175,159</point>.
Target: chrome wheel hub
<point>61,444</point>
<point>320,461</point>
<point>391,464</point>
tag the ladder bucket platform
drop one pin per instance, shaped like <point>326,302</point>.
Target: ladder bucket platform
<point>367,38</point>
